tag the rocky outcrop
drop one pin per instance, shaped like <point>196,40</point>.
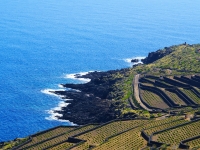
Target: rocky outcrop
<point>92,102</point>
<point>135,60</point>
<point>86,108</point>
<point>153,56</point>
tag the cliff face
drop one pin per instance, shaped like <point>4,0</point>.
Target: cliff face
<point>153,56</point>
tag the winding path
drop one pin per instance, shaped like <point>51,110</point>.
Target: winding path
<point>136,92</point>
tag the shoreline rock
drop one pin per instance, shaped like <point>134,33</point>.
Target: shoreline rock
<point>135,60</point>
<point>92,101</point>
<point>153,56</point>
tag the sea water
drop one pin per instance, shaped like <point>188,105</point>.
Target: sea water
<point>43,43</point>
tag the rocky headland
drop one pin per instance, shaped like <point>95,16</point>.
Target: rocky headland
<point>99,100</point>
<point>92,102</point>
<point>153,56</point>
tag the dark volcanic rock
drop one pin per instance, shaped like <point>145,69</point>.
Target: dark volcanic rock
<point>153,56</point>
<point>86,108</point>
<point>92,101</point>
<point>134,60</point>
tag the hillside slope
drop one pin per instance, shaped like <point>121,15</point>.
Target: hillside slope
<point>110,95</point>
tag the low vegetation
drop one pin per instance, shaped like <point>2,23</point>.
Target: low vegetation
<point>153,99</point>
<point>175,135</point>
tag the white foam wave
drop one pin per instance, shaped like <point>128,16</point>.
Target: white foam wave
<point>74,76</point>
<point>128,60</point>
<point>54,115</point>
<point>50,91</point>
<point>61,86</point>
<point>61,105</point>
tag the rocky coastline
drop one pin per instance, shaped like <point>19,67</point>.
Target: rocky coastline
<point>92,102</point>
<point>153,56</point>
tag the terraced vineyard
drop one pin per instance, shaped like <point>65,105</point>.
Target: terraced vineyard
<point>156,123</point>
<point>192,95</point>
<point>153,99</point>
<point>152,80</point>
<point>46,135</point>
<point>83,146</point>
<point>127,140</point>
<point>58,138</point>
<point>175,98</point>
<point>176,135</point>
<point>132,138</point>
<point>165,83</point>
<point>184,94</point>
<point>194,143</point>
<point>62,146</point>
<point>171,123</point>
<point>197,89</point>
<point>99,135</point>
<point>147,84</point>
<point>124,134</point>
<point>183,109</point>
<point>128,134</point>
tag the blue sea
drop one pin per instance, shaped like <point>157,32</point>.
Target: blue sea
<point>44,42</point>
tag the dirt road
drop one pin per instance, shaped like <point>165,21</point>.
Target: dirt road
<point>136,92</point>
